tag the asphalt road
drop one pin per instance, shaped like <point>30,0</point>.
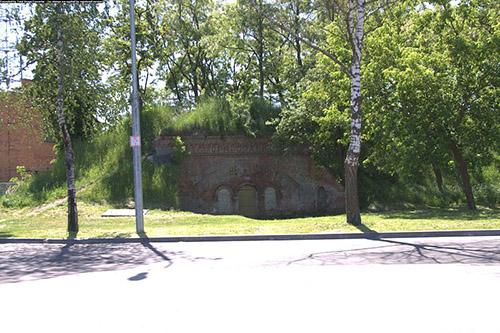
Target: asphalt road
<point>387,285</point>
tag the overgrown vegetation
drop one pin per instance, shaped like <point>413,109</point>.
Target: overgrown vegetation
<point>104,170</point>
<point>105,174</point>
<point>430,89</point>
<point>214,116</point>
<point>380,188</point>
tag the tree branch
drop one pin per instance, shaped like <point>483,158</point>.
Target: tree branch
<point>379,7</point>
<point>303,40</point>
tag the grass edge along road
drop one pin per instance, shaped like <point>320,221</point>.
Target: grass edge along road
<point>51,222</point>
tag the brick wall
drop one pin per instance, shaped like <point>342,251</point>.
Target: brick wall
<point>21,139</point>
<point>240,175</point>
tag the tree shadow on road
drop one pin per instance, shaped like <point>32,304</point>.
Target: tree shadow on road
<point>390,251</point>
<point>25,262</point>
<point>365,229</point>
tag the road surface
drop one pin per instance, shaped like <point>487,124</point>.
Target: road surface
<point>387,285</point>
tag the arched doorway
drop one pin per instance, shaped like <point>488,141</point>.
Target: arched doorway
<point>270,203</point>
<point>321,200</point>
<point>247,200</point>
<point>224,204</point>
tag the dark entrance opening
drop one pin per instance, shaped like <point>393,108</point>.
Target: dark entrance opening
<point>246,200</point>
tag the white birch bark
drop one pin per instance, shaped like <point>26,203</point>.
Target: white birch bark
<point>356,22</point>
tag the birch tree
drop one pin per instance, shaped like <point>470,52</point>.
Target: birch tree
<point>356,31</point>
<point>352,15</point>
<point>69,155</point>
<point>62,41</point>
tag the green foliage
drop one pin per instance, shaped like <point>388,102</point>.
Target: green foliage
<point>320,119</point>
<point>430,75</point>
<point>380,188</point>
<point>180,151</point>
<point>216,116</point>
<point>211,116</point>
<point>117,46</point>
<point>376,186</point>
<point>104,171</point>
<point>25,175</point>
<point>487,185</point>
<point>85,95</point>
<point>153,120</point>
<point>263,117</point>
<point>432,82</point>
<point>13,199</point>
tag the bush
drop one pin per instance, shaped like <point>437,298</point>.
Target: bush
<point>211,116</point>
<point>215,116</point>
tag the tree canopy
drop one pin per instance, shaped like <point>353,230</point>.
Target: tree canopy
<point>426,74</point>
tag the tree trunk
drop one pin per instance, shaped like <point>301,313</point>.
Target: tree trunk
<point>356,31</point>
<point>351,193</point>
<point>297,41</point>
<point>261,69</point>
<point>68,149</point>
<point>439,178</point>
<point>340,154</point>
<point>260,50</point>
<point>462,167</point>
<point>195,87</point>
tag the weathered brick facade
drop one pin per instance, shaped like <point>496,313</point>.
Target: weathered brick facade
<point>241,175</point>
<point>21,139</point>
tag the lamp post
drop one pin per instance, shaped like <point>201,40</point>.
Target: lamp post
<point>135,139</point>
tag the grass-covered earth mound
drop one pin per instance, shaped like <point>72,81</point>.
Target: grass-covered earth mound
<point>104,172</point>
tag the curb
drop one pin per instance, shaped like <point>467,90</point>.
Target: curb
<point>276,237</point>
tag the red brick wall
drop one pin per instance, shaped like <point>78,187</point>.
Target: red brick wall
<point>21,139</point>
<point>234,162</point>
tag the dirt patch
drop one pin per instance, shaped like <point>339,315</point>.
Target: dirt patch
<point>53,204</point>
<point>44,207</point>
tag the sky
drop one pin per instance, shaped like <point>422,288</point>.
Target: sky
<point>10,32</point>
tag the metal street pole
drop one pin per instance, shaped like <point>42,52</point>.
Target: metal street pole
<point>135,140</point>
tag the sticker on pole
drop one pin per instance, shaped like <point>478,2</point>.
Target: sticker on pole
<point>135,141</point>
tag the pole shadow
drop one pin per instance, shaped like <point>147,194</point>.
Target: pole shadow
<point>28,262</point>
<point>145,242</point>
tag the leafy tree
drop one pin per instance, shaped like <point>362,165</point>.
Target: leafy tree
<point>320,119</point>
<point>249,43</point>
<point>63,41</point>
<point>186,62</point>
<point>441,91</point>
<point>117,44</point>
<point>347,26</point>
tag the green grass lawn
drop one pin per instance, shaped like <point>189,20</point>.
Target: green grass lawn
<point>51,222</point>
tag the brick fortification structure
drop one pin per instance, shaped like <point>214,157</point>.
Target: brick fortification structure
<point>241,175</point>
<point>21,139</point>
